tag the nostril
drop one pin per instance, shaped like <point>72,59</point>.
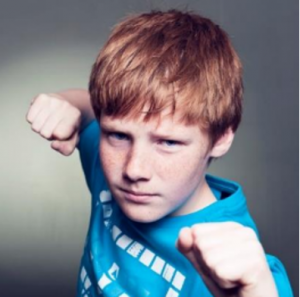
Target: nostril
<point>132,178</point>
<point>137,166</point>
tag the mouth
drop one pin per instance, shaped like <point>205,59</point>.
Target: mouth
<point>137,197</point>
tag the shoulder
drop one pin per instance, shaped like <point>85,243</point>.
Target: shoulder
<point>88,147</point>
<point>90,134</point>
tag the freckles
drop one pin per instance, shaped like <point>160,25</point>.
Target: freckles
<point>165,169</point>
<point>171,169</point>
<point>185,169</point>
<point>109,158</point>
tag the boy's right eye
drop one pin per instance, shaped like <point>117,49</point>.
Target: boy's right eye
<point>117,136</point>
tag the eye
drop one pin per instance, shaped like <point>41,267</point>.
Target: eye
<point>169,142</point>
<point>117,136</point>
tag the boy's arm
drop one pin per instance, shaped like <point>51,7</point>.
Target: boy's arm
<point>60,117</point>
<point>80,99</point>
<point>229,258</point>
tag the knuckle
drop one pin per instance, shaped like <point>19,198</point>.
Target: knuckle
<point>33,99</point>
<point>45,133</point>
<point>77,113</point>
<point>249,232</point>
<point>60,133</point>
<point>72,126</point>
<point>195,230</point>
<point>42,98</point>
<point>28,117</point>
<point>35,127</point>
<point>235,225</point>
<point>57,103</point>
<point>256,263</point>
<point>259,269</point>
<point>65,104</point>
<point>63,130</point>
<point>255,247</point>
<point>54,102</point>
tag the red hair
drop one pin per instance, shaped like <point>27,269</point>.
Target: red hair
<point>174,59</point>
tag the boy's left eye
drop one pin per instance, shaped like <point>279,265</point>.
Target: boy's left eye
<point>169,142</point>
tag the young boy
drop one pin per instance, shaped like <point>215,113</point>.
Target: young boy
<point>166,93</point>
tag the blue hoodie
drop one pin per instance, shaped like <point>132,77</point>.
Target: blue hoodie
<point>124,258</point>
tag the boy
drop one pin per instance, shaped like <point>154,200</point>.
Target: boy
<point>166,92</point>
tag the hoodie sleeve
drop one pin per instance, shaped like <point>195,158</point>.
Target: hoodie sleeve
<point>280,277</point>
<point>88,147</point>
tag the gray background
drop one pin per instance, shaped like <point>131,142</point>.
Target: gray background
<point>44,207</point>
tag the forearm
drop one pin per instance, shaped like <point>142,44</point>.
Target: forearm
<point>79,98</point>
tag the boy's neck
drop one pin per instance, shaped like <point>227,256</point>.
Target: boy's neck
<point>202,199</point>
<point>207,197</point>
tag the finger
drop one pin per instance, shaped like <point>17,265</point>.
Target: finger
<point>40,119</point>
<point>204,229</point>
<point>217,286</point>
<point>66,147</point>
<point>60,110</point>
<point>228,276</point>
<point>214,243</point>
<point>250,264</point>
<point>218,239</point>
<point>35,107</point>
<point>52,122</point>
<point>72,144</point>
<point>217,291</point>
<point>65,129</point>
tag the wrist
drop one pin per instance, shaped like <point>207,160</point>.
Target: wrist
<point>264,285</point>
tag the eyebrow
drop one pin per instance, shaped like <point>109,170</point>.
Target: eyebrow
<point>118,128</point>
<point>109,127</point>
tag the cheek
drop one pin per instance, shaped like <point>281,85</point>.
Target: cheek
<point>111,162</point>
<point>184,170</point>
<point>171,168</point>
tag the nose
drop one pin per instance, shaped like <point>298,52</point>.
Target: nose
<point>138,165</point>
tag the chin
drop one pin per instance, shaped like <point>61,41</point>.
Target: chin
<point>140,216</point>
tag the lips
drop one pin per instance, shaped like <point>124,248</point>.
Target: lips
<point>137,197</point>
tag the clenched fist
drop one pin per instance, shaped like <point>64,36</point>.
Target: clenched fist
<point>229,258</point>
<point>56,120</point>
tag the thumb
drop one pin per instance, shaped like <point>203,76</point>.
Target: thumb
<point>185,245</point>
<point>185,240</point>
<point>66,147</point>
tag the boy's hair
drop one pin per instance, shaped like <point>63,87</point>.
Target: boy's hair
<point>176,60</point>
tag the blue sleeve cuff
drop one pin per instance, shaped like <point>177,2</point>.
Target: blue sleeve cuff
<point>280,277</point>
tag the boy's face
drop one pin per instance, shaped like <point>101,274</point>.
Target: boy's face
<point>155,168</point>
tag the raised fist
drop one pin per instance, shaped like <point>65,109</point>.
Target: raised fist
<point>57,120</point>
<point>229,258</point>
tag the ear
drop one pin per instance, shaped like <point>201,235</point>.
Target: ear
<point>223,144</point>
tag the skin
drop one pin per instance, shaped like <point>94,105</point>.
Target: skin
<point>163,163</point>
<point>166,161</point>
<point>229,258</point>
